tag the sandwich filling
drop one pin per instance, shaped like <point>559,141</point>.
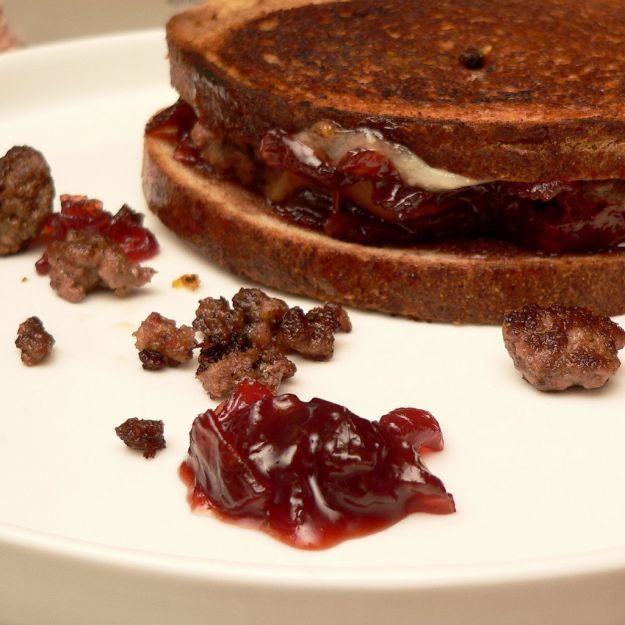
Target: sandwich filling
<point>354,185</point>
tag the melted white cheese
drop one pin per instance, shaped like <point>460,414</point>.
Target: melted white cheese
<point>336,142</point>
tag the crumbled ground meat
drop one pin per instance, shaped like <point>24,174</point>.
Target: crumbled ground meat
<point>85,261</point>
<point>267,366</point>
<point>212,352</point>
<point>249,338</point>
<point>153,361</point>
<point>334,313</point>
<point>143,435</point>
<point>262,314</point>
<point>219,323</point>
<point>558,347</point>
<point>33,341</point>
<point>161,343</point>
<point>26,194</point>
<point>312,334</point>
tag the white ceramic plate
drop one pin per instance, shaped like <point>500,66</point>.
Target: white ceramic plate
<point>91,533</point>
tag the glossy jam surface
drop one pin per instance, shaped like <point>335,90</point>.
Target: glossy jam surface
<point>81,213</point>
<point>363,198</point>
<point>311,474</point>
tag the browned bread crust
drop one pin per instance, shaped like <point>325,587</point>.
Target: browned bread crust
<point>548,103</point>
<point>473,283</point>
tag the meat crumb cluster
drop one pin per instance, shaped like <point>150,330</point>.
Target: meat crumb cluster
<point>33,341</point>
<point>249,338</point>
<point>26,195</point>
<point>558,347</point>
<point>145,435</point>
<point>88,247</point>
<point>85,261</point>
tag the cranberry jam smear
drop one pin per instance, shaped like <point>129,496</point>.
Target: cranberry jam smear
<point>311,474</point>
<point>363,198</point>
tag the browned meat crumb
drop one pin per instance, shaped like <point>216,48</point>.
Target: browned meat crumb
<point>161,343</point>
<point>263,314</point>
<point>335,312</point>
<point>267,366</point>
<point>26,194</point>
<point>558,347</point>
<point>33,341</point>
<point>153,361</point>
<point>218,322</point>
<point>312,334</point>
<point>85,261</point>
<point>144,435</point>
<point>190,281</point>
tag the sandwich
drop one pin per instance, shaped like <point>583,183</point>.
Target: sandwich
<point>446,160</point>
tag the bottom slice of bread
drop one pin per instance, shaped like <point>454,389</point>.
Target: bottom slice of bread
<point>473,282</point>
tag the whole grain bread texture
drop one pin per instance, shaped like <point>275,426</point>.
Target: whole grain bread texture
<point>545,103</point>
<point>476,282</point>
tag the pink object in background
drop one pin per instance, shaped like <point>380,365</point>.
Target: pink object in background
<point>6,41</point>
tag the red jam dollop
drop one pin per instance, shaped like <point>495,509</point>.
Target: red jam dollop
<point>311,474</point>
<point>78,212</point>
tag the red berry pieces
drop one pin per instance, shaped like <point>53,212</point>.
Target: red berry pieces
<point>80,213</point>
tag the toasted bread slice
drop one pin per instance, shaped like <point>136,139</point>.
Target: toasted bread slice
<point>475,282</point>
<point>547,103</point>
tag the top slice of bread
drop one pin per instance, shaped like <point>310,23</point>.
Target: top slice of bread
<point>548,103</point>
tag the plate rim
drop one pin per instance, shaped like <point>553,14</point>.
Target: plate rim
<point>533,569</point>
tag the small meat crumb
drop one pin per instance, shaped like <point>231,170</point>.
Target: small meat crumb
<point>144,435</point>
<point>190,281</point>
<point>33,341</point>
<point>26,195</point>
<point>312,334</point>
<point>85,261</point>
<point>263,315</point>
<point>161,343</point>
<point>558,347</point>
<point>217,321</point>
<point>220,376</point>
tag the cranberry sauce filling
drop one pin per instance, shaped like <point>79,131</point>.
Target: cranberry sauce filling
<point>363,198</point>
<point>311,473</point>
<point>175,123</point>
<point>79,212</point>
